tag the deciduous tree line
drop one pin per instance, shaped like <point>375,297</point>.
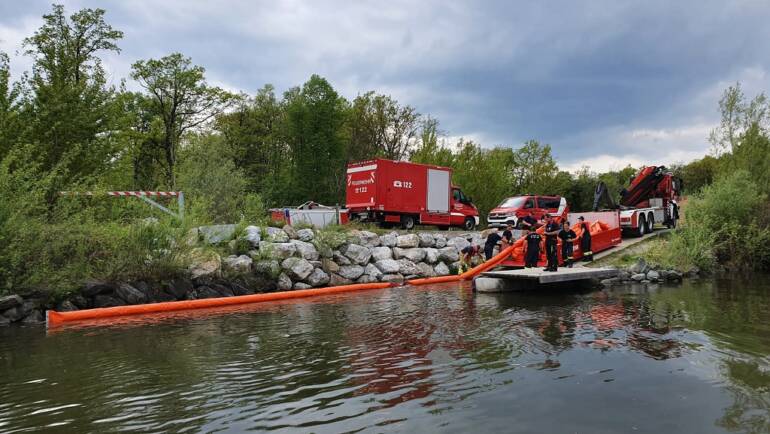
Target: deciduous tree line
<point>231,152</point>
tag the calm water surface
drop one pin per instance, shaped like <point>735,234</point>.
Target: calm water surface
<point>691,358</point>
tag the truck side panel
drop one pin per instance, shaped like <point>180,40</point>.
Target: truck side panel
<point>404,186</point>
<point>361,185</point>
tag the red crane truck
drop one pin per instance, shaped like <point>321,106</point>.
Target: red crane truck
<point>650,198</point>
<point>399,192</point>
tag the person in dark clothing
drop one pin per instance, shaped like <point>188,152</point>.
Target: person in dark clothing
<point>467,254</point>
<point>507,237</point>
<point>585,240</point>
<point>489,245</point>
<point>567,236</point>
<point>532,248</point>
<point>551,232</point>
<point>528,221</point>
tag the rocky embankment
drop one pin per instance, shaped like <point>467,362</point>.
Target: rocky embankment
<point>643,273</point>
<point>270,259</point>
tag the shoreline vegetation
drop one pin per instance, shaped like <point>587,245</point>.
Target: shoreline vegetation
<point>64,128</point>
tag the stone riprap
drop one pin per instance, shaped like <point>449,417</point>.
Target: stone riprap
<point>277,259</point>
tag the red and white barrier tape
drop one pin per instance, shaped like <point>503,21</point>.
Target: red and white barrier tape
<point>120,193</point>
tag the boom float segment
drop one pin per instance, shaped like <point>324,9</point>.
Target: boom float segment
<point>54,318</point>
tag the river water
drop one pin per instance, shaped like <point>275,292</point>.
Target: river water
<point>690,358</point>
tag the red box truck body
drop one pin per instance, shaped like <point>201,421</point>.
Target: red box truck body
<point>399,192</point>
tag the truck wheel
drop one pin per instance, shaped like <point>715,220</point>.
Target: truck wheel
<point>642,225</point>
<point>650,223</point>
<point>469,224</point>
<point>407,222</point>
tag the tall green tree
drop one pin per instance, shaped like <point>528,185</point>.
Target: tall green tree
<point>534,169</point>
<point>70,108</point>
<point>252,132</point>
<point>315,134</point>
<point>10,124</point>
<point>181,98</point>
<point>380,126</point>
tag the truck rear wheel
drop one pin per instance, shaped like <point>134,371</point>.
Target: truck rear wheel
<point>650,223</point>
<point>407,222</point>
<point>641,225</point>
<point>469,224</point>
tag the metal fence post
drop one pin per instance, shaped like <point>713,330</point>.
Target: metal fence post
<point>180,204</point>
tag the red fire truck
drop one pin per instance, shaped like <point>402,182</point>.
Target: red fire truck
<point>399,192</point>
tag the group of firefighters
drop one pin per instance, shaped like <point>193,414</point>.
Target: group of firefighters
<point>533,240</point>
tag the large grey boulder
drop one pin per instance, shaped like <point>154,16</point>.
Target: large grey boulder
<point>306,250</point>
<point>407,241</point>
<point>284,282</point>
<point>329,266</point>
<point>653,276</point>
<point>638,277</point>
<point>365,278</point>
<point>387,266</point>
<point>253,234</point>
<point>130,295</point>
<point>318,278</point>
<point>290,231</point>
<point>373,272</point>
<point>639,267</point>
<point>441,269</point>
<point>277,250</point>
<point>216,234</point>
<point>448,254</point>
<point>94,287</point>
<point>337,280</point>
<point>305,235</point>
<point>439,241</point>
<point>426,269</point>
<point>204,264</point>
<point>358,254</point>
<point>369,239</point>
<point>458,243</point>
<point>431,255</point>
<point>340,258</point>
<point>104,300</point>
<point>268,267</point>
<point>297,268</point>
<point>276,235</point>
<point>393,278</point>
<point>389,240</point>
<point>415,254</point>
<point>427,240</point>
<point>381,253</point>
<point>301,285</point>
<point>674,275</point>
<point>238,264</point>
<point>408,268</point>
<point>178,288</point>
<point>10,301</point>
<point>204,292</point>
<point>351,272</point>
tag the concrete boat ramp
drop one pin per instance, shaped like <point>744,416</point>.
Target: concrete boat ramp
<point>535,278</point>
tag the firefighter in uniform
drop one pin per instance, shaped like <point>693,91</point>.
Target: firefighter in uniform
<point>551,232</point>
<point>585,240</point>
<point>532,246</point>
<point>567,236</point>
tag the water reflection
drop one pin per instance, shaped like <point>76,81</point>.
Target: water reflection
<point>410,359</point>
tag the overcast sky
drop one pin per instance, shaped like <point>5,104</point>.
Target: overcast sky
<point>606,83</point>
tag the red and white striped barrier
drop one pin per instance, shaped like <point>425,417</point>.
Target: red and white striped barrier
<point>121,193</point>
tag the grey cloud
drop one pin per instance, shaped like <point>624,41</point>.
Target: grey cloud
<point>582,76</point>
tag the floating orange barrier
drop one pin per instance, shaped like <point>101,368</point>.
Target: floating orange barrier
<point>54,318</point>
<point>493,261</point>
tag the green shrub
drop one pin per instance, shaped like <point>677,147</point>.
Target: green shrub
<point>723,225</point>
